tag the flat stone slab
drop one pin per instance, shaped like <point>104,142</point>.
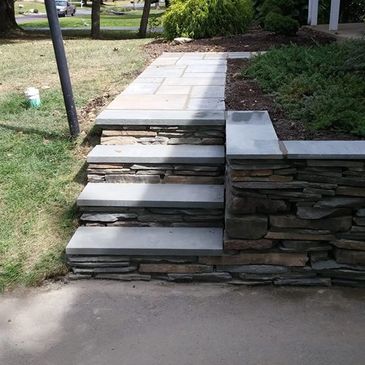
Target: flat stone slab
<point>113,118</point>
<point>168,82</point>
<point>251,135</point>
<point>325,149</point>
<point>185,154</point>
<point>151,195</point>
<point>146,241</point>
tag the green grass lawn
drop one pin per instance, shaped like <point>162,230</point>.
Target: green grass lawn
<point>130,19</point>
<point>24,6</point>
<point>323,86</point>
<point>40,167</point>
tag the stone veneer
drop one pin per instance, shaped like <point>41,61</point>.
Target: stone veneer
<point>165,135</point>
<point>156,173</point>
<point>299,205</point>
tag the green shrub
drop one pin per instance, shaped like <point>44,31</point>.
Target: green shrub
<point>281,24</point>
<point>282,16</point>
<point>207,18</point>
<point>323,86</point>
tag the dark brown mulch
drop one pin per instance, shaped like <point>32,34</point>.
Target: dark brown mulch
<point>245,94</point>
<point>254,40</point>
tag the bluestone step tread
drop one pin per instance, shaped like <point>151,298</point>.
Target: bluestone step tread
<point>114,118</point>
<point>146,241</point>
<point>191,154</point>
<point>152,195</point>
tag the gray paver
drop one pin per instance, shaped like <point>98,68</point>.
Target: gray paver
<point>167,83</point>
<point>149,102</point>
<point>190,154</point>
<point>207,91</point>
<point>325,149</point>
<point>146,241</point>
<point>173,89</point>
<point>205,104</point>
<point>194,81</point>
<point>141,88</point>
<point>251,134</point>
<point>206,68</point>
<point>112,118</point>
<point>151,195</point>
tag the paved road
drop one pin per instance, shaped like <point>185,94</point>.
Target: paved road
<point>87,29</point>
<point>33,17</point>
<point>95,323</point>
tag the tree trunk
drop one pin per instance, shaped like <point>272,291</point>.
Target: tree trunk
<point>144,20</point>
<point>95,19</point>
<point>7,17</point>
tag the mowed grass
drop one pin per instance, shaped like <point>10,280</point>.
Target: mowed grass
<point>130,19</point>
<point>25,6</point>
<point>41,168</point>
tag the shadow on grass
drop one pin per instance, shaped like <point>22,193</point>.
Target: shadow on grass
<point>48,135</point>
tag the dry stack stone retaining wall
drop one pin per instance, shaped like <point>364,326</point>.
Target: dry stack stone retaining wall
<point>170,135</point>
<point>296,206</point>
<point>156,173</point>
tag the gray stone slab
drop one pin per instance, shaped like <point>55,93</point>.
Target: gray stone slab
<point>163,72</point>
<point>185,154</point>
<point>205,104</point>
<point>207,92</point>
<point>325,149</point>
<point>174,89</point>
<point>185,61</point>
<point>141,88</point>
<point>149,102</point>
<point>113,118</point>
<point>251,135</point>
<point>206,68</point>
<point>152,195</point>
<point>162,241</point>
<point>204,75</point>
<point>194,81</point>
<point>238,55</point>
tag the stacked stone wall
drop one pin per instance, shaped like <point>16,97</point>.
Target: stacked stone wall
<point>165,135</point>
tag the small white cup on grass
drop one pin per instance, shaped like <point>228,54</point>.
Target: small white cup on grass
<point>33,98</point>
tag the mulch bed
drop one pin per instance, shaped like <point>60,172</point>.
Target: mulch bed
<point>245,94</point>
<point>254,40</point>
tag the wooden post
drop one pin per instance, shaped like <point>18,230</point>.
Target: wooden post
<point>334,15</point>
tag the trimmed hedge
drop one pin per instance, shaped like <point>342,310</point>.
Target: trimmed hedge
<point>207,18</point>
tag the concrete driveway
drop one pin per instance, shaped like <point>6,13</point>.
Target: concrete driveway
<point>167,324</point>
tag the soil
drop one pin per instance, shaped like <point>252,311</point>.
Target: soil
<point>254,40</point>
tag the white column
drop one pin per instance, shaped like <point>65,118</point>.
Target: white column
<point>309,11</point>
<point>335,14</point>
<point>314,12</point>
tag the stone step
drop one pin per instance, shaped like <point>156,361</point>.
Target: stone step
<point>159,154</point>
<point>113,196</point>
<point>146,241</point>
<point>114,118</point>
